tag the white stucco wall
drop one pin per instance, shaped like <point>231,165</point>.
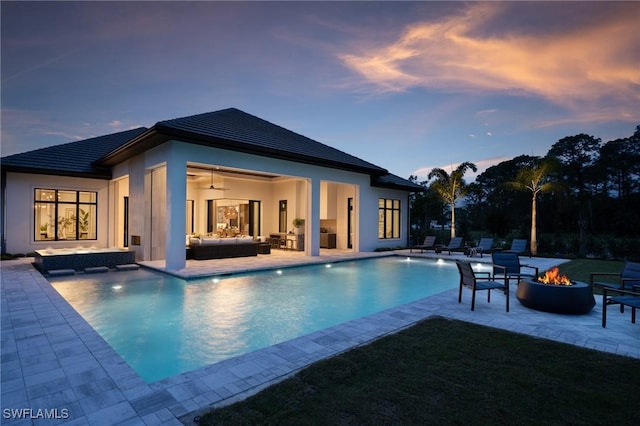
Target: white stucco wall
<point>19,226</point>
<point>294,184</point>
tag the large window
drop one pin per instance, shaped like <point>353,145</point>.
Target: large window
<point>65,215</point>
<point>388,218</point>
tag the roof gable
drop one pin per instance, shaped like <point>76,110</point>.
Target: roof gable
<point>70,159</point>
<point>227,129</point>
<point>238,131</point>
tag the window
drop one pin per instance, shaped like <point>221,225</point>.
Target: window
<point>388,218</point>
<point>65,215</point>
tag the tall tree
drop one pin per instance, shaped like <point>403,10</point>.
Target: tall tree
<point>503,210</point>
<point>425,207</point>
<point>579,155</point>
<point>451,187</point>
<point>620,163</point>
<point>536,179</point>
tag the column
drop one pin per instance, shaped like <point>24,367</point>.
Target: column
<point>176,196</point>
<point>313,224</point>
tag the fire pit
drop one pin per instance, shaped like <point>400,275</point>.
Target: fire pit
<point>556,293</point>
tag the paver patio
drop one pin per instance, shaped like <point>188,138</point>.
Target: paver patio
<point>53,360</point>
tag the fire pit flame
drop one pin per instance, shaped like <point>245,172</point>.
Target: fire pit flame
<point>553,276</point>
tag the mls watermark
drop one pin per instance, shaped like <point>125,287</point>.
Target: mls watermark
<point>36,414</point>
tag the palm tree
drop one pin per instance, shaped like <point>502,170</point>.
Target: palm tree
<point>451,187</point>
<point>536,178</point>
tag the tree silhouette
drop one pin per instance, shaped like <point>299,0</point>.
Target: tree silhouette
<point>451,187</point>
<point>536,178</point>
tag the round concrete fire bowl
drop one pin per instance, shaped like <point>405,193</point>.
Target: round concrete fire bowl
<point>574,299</point>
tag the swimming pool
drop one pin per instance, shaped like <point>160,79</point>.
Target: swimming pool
<point>162,325</point>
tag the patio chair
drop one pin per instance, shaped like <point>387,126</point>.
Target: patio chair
<point>629,277</point>
<point>508,264</point>
<point>478,281</point>
<point>484,246</point>
<point>518,246</point>
<point>454,245</point>
<point>428,244</point>
<point>623,298</point>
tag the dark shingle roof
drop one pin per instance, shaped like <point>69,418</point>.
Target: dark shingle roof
<point>70,159</point>
<point>227,129</point>
<point>396,182</point>
<point>238,131</point>
<point>267,138</point>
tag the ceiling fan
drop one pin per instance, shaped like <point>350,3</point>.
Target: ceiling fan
<point>212,186</point>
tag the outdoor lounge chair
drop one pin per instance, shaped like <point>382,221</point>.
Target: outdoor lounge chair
<point>508,264</point>
<point>629,277</point>
<point>518,246</point>
<point>484,246</point>
<point>623,298</point>
<point>428,244</point>
<point>454,245</point>
<point>478,281</point>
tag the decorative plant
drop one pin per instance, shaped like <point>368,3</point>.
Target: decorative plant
<point>84,221</point>
<point>63,224</point>
<point>297,222</point>
<point>44,227</point>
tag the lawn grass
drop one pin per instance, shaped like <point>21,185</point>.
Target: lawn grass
<point>450,372</point>
<point>580,269</point>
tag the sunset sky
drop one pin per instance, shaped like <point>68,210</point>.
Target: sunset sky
<point>407,86</point>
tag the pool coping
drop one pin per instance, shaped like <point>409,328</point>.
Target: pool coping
<point>53,359</point>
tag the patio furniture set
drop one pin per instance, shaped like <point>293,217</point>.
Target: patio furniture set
<point>570,297</point>
<point>574,297</point>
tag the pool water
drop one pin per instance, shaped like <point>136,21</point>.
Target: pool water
<point>162,325</point>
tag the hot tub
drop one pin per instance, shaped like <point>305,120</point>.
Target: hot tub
<point>80,258</point>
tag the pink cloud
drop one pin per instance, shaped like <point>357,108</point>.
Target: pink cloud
<point>589,69</point>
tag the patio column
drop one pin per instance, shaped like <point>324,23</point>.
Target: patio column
<point>176,196</point>
<point>313,224</point>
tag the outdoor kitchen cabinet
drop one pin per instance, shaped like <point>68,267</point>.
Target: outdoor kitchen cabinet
<point>327,240</point>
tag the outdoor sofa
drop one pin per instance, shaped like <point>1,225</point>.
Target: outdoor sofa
<point>219,248</point>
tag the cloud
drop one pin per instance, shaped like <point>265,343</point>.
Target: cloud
<point>583,66</point>
<point>24,130</point>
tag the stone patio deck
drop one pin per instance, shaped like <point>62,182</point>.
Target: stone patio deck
<point>53,360</point>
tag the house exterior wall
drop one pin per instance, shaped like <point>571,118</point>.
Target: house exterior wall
<point>291,187</point>
<point>296,184</point>
<point>369,240</point>
<point>19,217</point>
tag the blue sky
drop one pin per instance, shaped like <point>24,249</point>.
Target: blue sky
<point>407,86</point>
